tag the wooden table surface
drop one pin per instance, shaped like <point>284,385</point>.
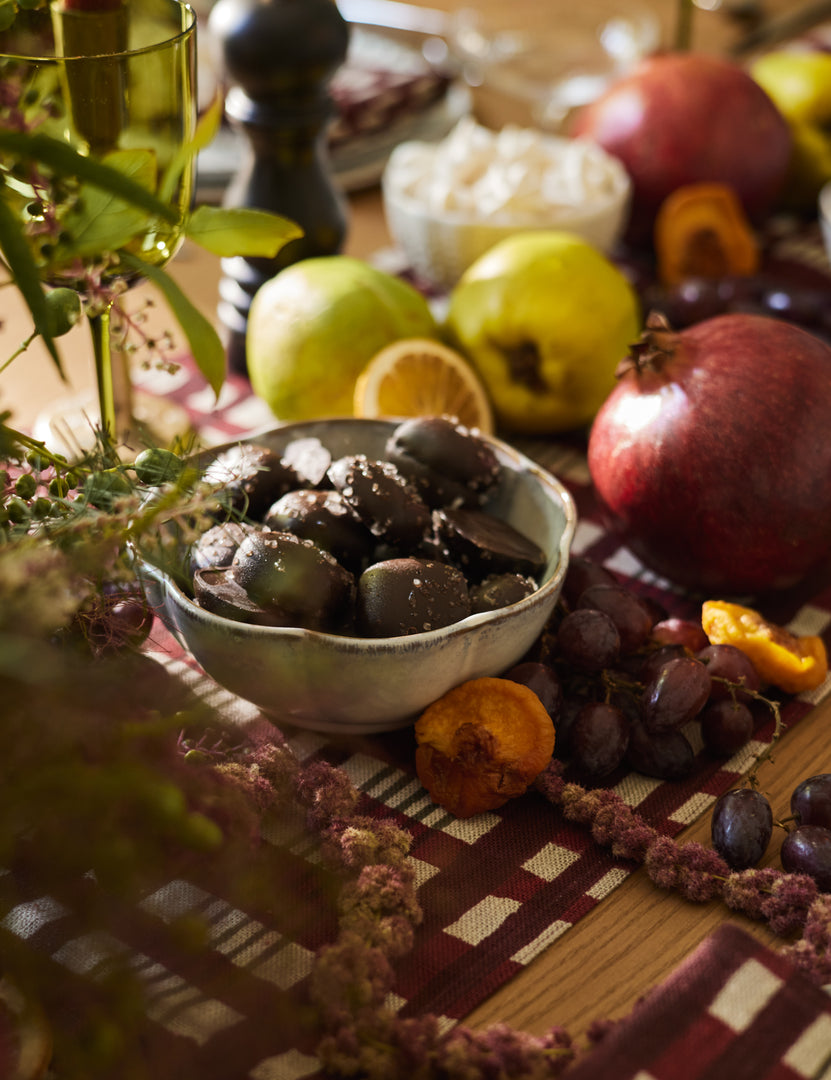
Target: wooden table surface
<point>636,937</point>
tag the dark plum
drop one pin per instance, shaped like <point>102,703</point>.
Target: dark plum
<point>676,695</point>
<point>811,801</point>
<point>599,738</point>
<point>631,618</point>
<point>543,680</point>
<point>588,639</point>
<point>728,662</point>
<point>726,726</point>
<point>807,850</point>
<point>741,827</point>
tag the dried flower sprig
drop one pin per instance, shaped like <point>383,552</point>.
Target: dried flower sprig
<point>352,979</point>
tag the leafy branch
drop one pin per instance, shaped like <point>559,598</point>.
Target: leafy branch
<point>112,205</point>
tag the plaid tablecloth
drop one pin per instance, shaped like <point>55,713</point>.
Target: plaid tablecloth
<point>496,889</point>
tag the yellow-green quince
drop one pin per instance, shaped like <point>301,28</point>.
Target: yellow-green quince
<point>799,82</point>
<point>313,328</point>
<point>545,318</point>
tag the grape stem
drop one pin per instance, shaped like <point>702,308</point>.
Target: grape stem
<point>778,727</point>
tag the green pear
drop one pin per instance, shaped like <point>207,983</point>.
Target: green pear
<point>545,318</point>
<point>314,327</point>
<point>799,83</point>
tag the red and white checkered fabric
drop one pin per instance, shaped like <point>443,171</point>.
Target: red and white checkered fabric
<point>733,1010</point>
<point>496,889</point>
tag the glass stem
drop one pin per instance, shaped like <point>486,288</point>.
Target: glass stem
<point>112,373</point>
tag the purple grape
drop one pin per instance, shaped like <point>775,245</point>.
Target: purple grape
<point>807,850</point>
<point>726,726</point>
<point>631,618</point>
<point>599,738</point>
<point>543,680</point>
<point>653,662</point>
<point>683,632</point>
<point>676,695</point>
<point>668,756</point>
<point>799,305</point>
<point>580,575</point>
<point>569,711</point>
<point>728,662</point>
<point>811,801</point>
<point>588,639</point>
<point>741,827</point>
<point>688,302</point>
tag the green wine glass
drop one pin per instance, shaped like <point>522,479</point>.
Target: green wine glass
<point>115,80</point>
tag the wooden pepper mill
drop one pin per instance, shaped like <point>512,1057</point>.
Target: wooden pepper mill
<point>281,56</point>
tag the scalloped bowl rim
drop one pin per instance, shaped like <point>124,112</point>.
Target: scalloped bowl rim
<point>343,646</point>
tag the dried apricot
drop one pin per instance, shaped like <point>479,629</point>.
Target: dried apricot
<point>782,659</point>
<point>482,744</point>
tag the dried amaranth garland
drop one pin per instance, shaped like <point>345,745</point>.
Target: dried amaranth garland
<point>378,912</point>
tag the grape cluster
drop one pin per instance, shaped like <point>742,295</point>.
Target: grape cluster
<point>623,681</point>
<point>791,292</point>
<point>742,826</point>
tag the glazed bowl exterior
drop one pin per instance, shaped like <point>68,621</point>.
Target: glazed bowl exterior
<point>440,245</point>
<point>348,685</point>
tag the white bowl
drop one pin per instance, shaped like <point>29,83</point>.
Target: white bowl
<point>349,685</point>
<point>825,217</point>
<point>440,244</point>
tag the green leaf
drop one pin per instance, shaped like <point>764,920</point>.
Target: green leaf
<point>105,221</point>
<point>206,348</point>
<point>26,277</point>
<point>206,129</point>
<point>66,161</point>
<point>240,231</point>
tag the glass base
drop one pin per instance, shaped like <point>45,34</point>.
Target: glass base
<point>69,428</point>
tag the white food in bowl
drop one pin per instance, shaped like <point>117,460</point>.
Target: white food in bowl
<point>449,202</point>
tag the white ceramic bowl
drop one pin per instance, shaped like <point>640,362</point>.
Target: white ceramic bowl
<point>825,217</point>
<point>348,685</point>
<point>440,244</point>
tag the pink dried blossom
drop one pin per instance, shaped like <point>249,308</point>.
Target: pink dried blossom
<point>550,782</point>
<point>787,906</point>
<point>578,804</point>
<point>349,975</point>
<point>812,954</point>
<point>661,862</point>
<point>327,792</point>
<point>633,840</point>
<point>365,841</point>
<point>383,890</point>
<point>746,890</point>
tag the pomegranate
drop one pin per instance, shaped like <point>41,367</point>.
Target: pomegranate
<point>711,456</point>
<point>681,118</point>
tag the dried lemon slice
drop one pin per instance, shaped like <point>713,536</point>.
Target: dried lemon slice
<point>421,377</point>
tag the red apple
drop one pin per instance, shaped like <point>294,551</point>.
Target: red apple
<point>711,456</point>
<point>684,118</point>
